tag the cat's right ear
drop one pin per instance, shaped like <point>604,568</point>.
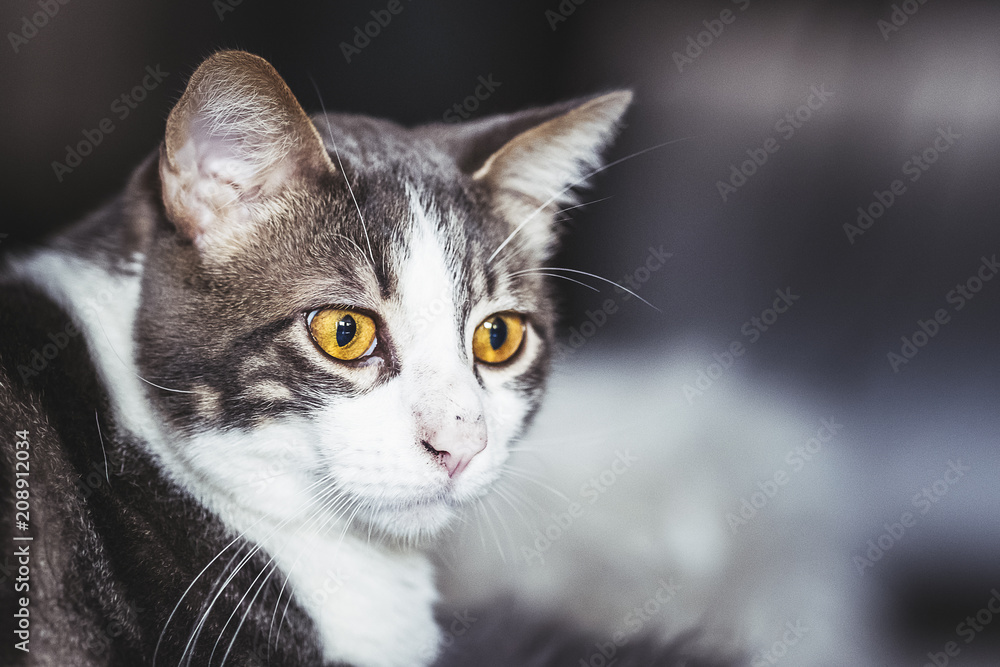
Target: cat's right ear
<point>236,141</point>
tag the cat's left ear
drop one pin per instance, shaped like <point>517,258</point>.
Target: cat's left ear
<point>535,158</point>
<point>236,142</point>
<point>544,161</point>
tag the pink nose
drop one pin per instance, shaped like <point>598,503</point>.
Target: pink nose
<point>456,443</point>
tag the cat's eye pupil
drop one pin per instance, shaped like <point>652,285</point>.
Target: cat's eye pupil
<point>346,328</point>
<point>498,333</point>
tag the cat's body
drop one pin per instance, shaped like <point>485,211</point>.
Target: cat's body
<point>215,476</point>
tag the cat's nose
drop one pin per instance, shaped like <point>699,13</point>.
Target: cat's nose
<point>456,442</point>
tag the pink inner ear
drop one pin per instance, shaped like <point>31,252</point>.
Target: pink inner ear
<point>214,183</point>
<point>235,141</point>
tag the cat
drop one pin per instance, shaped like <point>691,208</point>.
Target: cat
<point>248,392</point>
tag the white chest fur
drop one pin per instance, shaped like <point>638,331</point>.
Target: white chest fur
<point>372,606</point>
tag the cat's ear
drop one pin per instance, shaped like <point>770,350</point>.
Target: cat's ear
<point>236,141</point>
<point>532,160</point>
<point>546,160</point>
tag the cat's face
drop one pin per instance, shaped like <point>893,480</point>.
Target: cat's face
<point>329,298</point>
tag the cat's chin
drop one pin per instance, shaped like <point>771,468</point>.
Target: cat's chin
<point>413,522</point>
<point>416,518</point>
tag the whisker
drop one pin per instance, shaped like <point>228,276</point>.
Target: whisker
<point>193,640</point>
<point>357,507</point>
<point>333,513</point>
<point>263,479</point>
<point>190,586</point>
<point>357,504</point>
<point>489,522</point>
<point>333,496</point>
<point>572,280</point>
<point>107,471</point>
<point>217,588</point>
<point>115,352</point>
<point>503,525</point>
<point>479,523</point>
<point>574,184</point>
<point>236,632</point>
<point>213,589</point>
<point>272,564</point>
<point>202,572</point>
<point>340,164</point>
<point>503,496</point>
<point>524,475</point>
<point>596,201</point>
<point>585,273</point>
<point>526,498</point>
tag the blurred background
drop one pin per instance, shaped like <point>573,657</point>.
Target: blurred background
<point>789,122</point>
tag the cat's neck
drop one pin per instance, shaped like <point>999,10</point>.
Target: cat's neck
<point>372,603</point>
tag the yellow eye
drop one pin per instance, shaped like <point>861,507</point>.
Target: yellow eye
<point>343,334</point>
<point>498,338</point>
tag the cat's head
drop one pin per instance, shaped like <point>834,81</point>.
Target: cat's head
<point>352,311</point>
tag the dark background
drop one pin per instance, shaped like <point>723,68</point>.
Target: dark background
<point>782,229</point>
